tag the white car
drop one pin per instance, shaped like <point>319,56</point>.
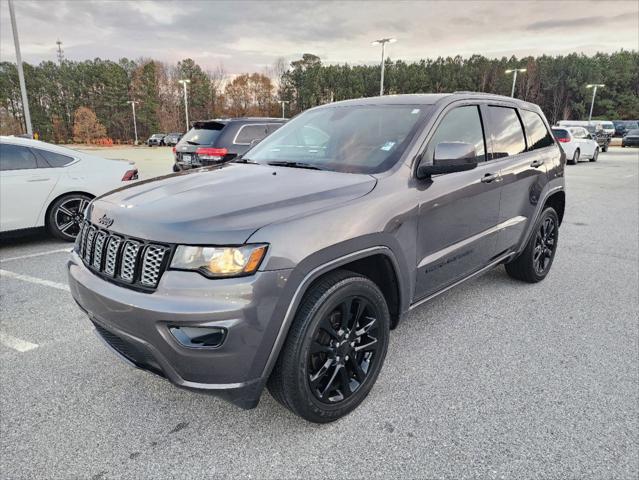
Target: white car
<point>47,185</point>
<point>577,143</point>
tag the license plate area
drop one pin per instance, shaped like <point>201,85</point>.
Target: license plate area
<point>187,158</point>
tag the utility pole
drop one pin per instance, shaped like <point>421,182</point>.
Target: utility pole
<point>23,87</point>
<point>135,124</point>
<point>60,52</point>
<point>283,102</point>
<point>594,94</point>
<point>186,102</point>
<point>383,42</point>
<point>514,71</point>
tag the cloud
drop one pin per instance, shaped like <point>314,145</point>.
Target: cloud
<point>247,35</point>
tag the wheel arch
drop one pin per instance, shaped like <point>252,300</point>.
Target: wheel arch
<point>58,197</point>
<point>556,200</point>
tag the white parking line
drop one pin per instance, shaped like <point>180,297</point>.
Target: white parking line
<point>30,279</point>
<point>48,252</point>
<point>15,343</point>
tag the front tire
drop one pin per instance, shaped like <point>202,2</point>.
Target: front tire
<point>65,217</point>
<point>595,155</point>
<point>335,348</point>
<point>533,264</point>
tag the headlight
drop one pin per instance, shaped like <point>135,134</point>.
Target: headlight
<point>219,261</point>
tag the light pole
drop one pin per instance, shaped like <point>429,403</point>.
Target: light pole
<point>283,102</point>
<point>135,123</point>
<point>383,42</point>
<point>514,71</point>
<point>23,87</point>
<point>186,102</point>
<point>594,87</point>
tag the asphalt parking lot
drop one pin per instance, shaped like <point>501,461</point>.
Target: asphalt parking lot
<point>493,379</point>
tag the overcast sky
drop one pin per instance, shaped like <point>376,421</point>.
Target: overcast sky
<point>247,36</point>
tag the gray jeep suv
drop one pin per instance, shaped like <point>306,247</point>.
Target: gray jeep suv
<point>288,267</point>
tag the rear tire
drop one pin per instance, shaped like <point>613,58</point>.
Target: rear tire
<point>595,155</point>
<point>533,264</point>
<point>335,348</point>
<point>66,215</point>
<point>575,158</point>
<point>605,148</point>
<point>176,168</point>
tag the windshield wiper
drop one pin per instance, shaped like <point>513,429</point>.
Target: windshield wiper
<point>295,165</point>
<point>192,143</point>
<point>244,160</point>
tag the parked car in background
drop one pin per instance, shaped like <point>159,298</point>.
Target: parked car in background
<point>157,139</point>
<point>172,139</point>
<point>291,269</point>
<point>577,142</point>
<point>607,126</point>
<point>631,138</point>
<point>623,126</point>
<point>48,185</point>
<point>221,140</point>
<point>596,131</point>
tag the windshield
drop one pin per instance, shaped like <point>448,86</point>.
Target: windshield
<point>633,132</point>
<point>608,125</point>
<point>351,139</point>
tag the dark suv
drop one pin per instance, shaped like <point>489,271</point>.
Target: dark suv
<point>288,268</point>
<point>221,140</point>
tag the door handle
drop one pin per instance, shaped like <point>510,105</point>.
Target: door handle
<point>38,180</point>
<point>537,163</point>
<point>489,177</point>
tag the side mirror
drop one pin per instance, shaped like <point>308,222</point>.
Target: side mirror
<point>449,157</point>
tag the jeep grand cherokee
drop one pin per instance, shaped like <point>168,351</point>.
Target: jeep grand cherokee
<point>289,268</point>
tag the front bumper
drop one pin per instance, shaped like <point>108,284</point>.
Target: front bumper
<point>136,326</point>
<point>630,142</point>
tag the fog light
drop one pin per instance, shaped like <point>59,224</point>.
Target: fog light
<point>199,337</point>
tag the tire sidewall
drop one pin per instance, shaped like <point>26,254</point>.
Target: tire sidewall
<point>305,399</point>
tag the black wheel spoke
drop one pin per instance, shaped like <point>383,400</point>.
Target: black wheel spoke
<point>345,381</point>
<point>359,374</point>
<point>366,347</point>
<point>327,388</point>
<point>317,347</point>
<point>319,375</point>
<point>365,328</point>
<point>66,226</point>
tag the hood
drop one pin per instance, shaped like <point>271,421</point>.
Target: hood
<point>223,204</point>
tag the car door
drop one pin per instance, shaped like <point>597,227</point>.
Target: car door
<point>526,154</point>
<point>25,185</point>
<point>458,211</point>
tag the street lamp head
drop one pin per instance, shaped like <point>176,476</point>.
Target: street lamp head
<point>511,70</point>
<point>185,80</point>
<point>382,41</point>
<point>599,85</point>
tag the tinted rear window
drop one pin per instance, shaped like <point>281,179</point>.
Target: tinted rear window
<point>508,136</point>
<point>560,133</point>
<point>55,159</point>
<point>248,133</point>
<point>538,135</point>
<point>203,134</point>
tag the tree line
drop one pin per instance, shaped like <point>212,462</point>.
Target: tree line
<point>58,90</point>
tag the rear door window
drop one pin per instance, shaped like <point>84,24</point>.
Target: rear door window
<point>16,157</point>
<point>507,134</point>
<point>54,159</point>
<point>248,133</point>
<point>538,134</point>
<point>462,124</point>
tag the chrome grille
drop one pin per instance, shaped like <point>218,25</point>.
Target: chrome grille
<point>100,237</point>
<point>134,262</point>
<point>129,260</point>
<point>153,256</point>
<point>112,255</point>
<point>88,244</point>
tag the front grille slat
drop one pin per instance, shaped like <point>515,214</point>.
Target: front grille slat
<point>131,262</point>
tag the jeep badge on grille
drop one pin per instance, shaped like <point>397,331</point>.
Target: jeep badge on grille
<point>106,221</point>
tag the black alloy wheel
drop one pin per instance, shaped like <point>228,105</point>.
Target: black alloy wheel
<point>533,264</point>
<point>342,351</point>
<point>545,244</point>
<point>335,348</point>
<point>66,216</point>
